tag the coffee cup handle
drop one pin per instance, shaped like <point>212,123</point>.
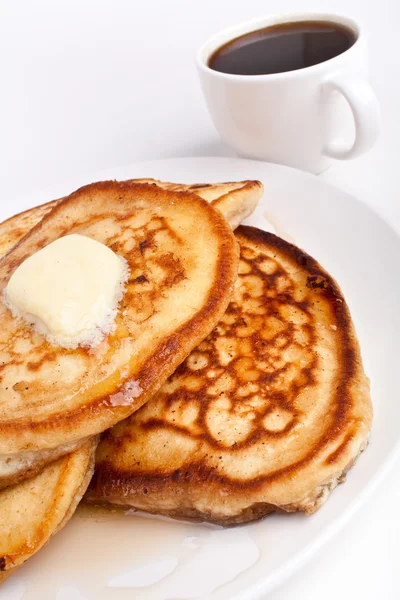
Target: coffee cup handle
<point>365,108</point>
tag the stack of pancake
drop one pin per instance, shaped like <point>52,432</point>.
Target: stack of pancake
<point>231,387</point>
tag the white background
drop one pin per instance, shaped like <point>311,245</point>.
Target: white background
<point>87,85</point>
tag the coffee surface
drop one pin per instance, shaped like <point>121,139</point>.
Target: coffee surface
<point>281,48</point>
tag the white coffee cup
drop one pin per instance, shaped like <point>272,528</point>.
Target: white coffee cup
<point>300,118</point>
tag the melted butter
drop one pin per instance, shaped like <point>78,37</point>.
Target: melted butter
<point>103,554</point>
<point>69,290</point>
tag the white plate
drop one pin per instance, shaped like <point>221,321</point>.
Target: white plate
<point>120,557</point>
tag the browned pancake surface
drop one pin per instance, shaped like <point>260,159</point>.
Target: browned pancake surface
<point>183,259</point>
<point>267,413</point>
<point>235,200</point>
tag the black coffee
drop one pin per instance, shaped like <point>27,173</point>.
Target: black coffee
<point>281,48</point>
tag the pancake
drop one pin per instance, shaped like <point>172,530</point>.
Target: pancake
<point>236,200</point>
<point>267,414</point>
<point>14,228</point>
<point>17,467</point>
<point>182,257</point>
<point>33,511</point>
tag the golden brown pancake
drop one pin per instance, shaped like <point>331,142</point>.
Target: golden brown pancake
<point>268,413</point>
<point>22,465</point>
<point>236,200</point>
<point>14,228</point>
<point>34,510</point>
<point>182,257</point>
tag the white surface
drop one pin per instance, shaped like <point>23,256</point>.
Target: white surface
<point>326,111</point>
<point>154,561</point>
<point>91,84</point>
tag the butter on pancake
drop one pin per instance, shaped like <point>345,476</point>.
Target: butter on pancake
<point>69,290</point>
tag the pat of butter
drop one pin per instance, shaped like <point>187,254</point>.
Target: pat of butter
<point>69,290</point>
